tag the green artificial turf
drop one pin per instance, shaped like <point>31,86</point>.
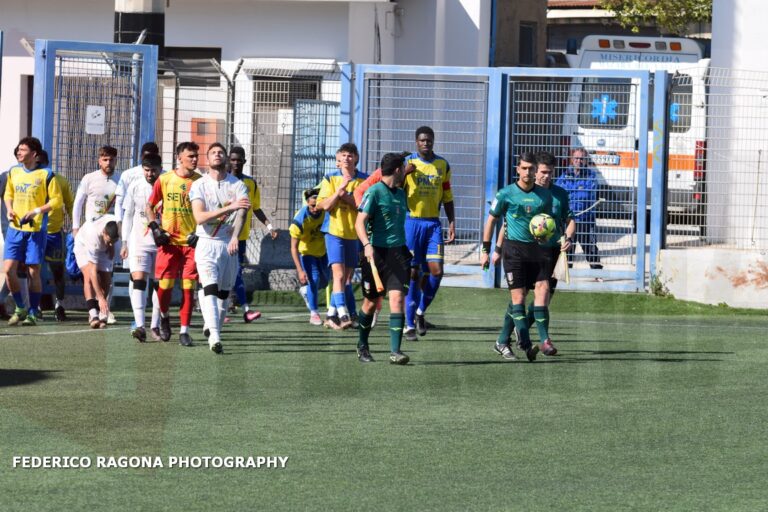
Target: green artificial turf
<point>652,404</point>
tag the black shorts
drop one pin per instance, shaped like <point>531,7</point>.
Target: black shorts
<point>525,264</point>
<point>550,255</point>
<point>394,265</point>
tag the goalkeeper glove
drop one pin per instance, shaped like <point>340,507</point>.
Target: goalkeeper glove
<point>192,239</point>
<point>160,235</point>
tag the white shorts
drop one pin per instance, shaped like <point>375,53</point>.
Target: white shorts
<point>83,257</point>
<point>215,265</point>
<point>142,260</point>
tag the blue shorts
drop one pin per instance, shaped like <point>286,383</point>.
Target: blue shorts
<point>341,250</point>
<point>54,248</point>
<point>25,246</point>
<point>424,238</point>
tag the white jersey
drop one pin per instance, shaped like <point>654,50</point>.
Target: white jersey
<point>127,177</point>
<point>134,230</point>
<point>89,241</point>
<point>96,193</point>
<point>216,194</point>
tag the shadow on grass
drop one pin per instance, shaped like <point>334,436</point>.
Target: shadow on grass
<point>22,377</point>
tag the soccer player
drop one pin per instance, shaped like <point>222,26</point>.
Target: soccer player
<point>95,253</point>
<point>96,196</point>
<point>219,205</point>
<point>308,251</point>
<point>55,250</point>
<point>427,188</point>
<point>236,165</point>
<point>561,240</point>
<point>30,193</point>
<point>138,248</point>
<point>336,198</point>
<point>524,268</point>
<point>382,214</point>
<point>129,176</point>
<point>175,239</point>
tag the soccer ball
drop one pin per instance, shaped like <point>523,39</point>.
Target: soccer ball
<point>542,227</point>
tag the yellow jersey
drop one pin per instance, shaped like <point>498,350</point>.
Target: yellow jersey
<point>172,192</point>
<point>340,221</point>
<point>254,196</point>
<point>428,186</point>
<point>306,228</point>
<point>27,190</point>
<point>56,217</point>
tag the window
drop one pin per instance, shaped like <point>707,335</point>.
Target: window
<point>680,104</point>
<point>527,44</point>
<point>604,103</point>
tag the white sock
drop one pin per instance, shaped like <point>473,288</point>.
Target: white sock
<point>93,313</point>
<point>155,310</point>
<point>183,329</point>
<point>331,311</point>
<point>342,311</point>
<point>139,304</point>
<point>419,311</point>
<point>246,308</point>
<point>222,305</point>
<point>210,309</point>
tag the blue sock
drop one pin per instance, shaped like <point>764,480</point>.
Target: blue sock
<point>411,302</point>
<point>240,288</point>
<point>349,299</point>
<point>19,300</point>
<point>337,299</point>
<point>428,294</point>
<point>34,300</point>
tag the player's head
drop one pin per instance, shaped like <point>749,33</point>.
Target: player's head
<point>217,156</point>
<point>526,169</point>
<point>545,166</point>
<point>149,148</point>
<point>42,159</point>
<point>27,151</point>
<point>152,165</point>
<point>425,140</point>
<point>310,196</point>
<point>111,234</point>
<point>107,159</point>
<point>393,164</point>
<point>347,156</point>
<point>237,160</point>
<point>579,158</point>
<point>187,154</point>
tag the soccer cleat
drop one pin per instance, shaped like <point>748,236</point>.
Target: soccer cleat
<point>185,340</point>
<point>421,325</point>
<point>216,348</point>
<point>154,332</point>
<point>250,316</point>
<point>504,351</point>
<point>364,355</point>
<point>410,334</point>
<point>398,358</point>
<point>111,320</point>
<point>102,324</point>
<point>30,321</point>
<point>140,334</point>
<point>547,348</point>
<point>345,322</point>
<point>531,353</point>
<point>165,328</point>
<point>18,316</point>
<point>315,319</point>
<point>61,315</point>
<point>94,322</point>
<point>332,322</point>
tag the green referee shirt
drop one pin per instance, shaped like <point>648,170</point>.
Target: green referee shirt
<point>518,207</point>
<point>386,208</point>
<point>561,212</point>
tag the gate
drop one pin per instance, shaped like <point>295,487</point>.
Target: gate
<point>606,113</point>
<point>87,95</point>
<point>315,139</point>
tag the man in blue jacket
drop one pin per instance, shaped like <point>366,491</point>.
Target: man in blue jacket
<point>581,183</point>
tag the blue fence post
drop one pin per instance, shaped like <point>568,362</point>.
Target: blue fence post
<point>494,155</point>
<point>660,159</point>
<point>148,96</point>
<point>346,118</point>
<point>642,179</point>
<point>45,78</point>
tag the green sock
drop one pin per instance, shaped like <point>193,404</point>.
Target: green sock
<point>507,326</point>
<point>541,313</point>
<point>396,322</point>
<point>530,318</point>
<point>365,320</point>
<point>521,323</point>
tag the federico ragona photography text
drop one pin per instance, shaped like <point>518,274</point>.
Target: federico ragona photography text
<point>145,461</point>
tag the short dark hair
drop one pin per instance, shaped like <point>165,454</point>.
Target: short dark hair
<point>311,192</point>
<point>527,156</point>
<point>426,130</point>
<point>150,147</point>
<point>33,143</point>
<point>216,145</point>
<point>111,230</point>
<point>546,158</point>
<point>42,158</point>
<point>348,147</point>
<point>152,160</point>
<point>390,162</point>
<point>183,146</point>
<point>107,151</point>
<point>237,150</point>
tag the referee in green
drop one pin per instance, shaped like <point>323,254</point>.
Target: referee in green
<point>380,226</point>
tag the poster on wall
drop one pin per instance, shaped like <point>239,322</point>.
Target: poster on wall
<point>95,120</point>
